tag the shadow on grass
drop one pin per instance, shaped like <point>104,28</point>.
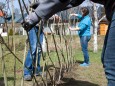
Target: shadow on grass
<point>78,61</point>
<point>73,82</point>
<point>2,80</point>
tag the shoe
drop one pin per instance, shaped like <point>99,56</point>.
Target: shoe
<point>85,64</point>
<point>39,74</point>
<point>27,77</point>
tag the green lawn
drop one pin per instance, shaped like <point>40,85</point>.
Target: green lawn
<point>91,76</point>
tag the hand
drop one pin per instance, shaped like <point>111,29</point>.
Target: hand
<point>73,14</point>
<point>70,28</point>
<point>30,21</point>
<point>74,29</point>
<point>77,28</point>
<point>27,25</point>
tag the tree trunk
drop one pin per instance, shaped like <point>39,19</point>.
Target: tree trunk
<point>95,29</point>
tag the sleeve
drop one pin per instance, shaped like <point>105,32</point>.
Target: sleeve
<point>82,26</point>
<point>73,3</point>
<point>76,2</point>
<point>100,1</point>
<point>84,23</point>
<point>49,7</point>
<point>79,16</point>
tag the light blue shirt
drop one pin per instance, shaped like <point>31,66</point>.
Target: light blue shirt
<point>84,25</point>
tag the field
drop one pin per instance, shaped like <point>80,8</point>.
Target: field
<point>78,76</point>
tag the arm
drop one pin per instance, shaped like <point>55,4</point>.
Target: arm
<point>74,29</point>
<point>47,8</point>
<point>78,28</point>
<point>78,15</point>
<point>73,14</point>
<point>99,1</point>
<point>73,3</point>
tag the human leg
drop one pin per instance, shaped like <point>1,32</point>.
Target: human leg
<point>28,69</point>
<point>108,54</point>
<point>84,44</point>
<point>39,53</point>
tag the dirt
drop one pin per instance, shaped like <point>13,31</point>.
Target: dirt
<point>80,76</point>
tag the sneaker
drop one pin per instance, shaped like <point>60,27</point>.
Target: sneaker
<point>85,64</point>
<point>27,77</point>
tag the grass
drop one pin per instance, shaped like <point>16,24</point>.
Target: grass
<point>94,73</point>
<point>91,76</point>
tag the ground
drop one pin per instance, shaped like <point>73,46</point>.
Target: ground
<point>78,76</point>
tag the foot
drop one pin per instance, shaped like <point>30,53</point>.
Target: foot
<point>40,74</point>
<point>85,64</point>
<point>27,77</point>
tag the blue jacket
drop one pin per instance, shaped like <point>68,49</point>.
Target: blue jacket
<point>84,25</point>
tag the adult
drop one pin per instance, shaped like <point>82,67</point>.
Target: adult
<point>83,29</point>
<point>44,9</point>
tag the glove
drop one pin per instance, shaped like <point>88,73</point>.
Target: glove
<point>31,21</point>
<point>27,25</point>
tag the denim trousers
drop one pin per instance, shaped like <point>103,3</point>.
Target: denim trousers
<point>31,59</point>
<point>84,45</point>
<point>108,53</point>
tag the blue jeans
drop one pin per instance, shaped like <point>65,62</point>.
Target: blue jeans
<point>108,54</point>
<point>32,59</point>
<point>84,45</point>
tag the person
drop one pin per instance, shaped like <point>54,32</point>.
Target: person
<point>30,62</point>
<point>83,29</point>
<point>46,8</point>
